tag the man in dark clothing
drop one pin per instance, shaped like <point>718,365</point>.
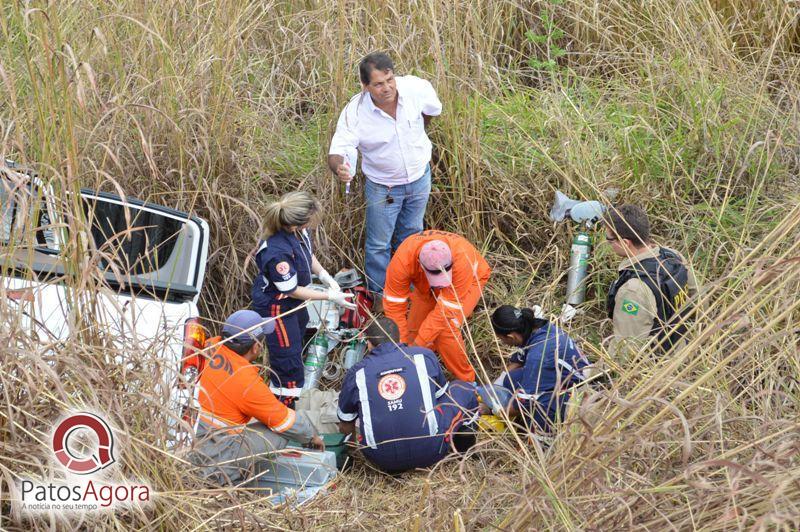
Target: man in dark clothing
<point>408,412</point>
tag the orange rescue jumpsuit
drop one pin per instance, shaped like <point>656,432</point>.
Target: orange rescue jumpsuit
<point>232,393</point>
<point>436,315</point>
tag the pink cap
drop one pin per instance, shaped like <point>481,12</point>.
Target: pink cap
<point>437,261</point>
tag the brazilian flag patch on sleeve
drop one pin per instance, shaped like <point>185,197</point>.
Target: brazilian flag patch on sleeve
<point>629,307</point>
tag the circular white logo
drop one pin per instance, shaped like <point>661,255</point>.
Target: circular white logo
<point>392,387</point>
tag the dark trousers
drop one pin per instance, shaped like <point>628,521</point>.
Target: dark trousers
<point>285,347</point>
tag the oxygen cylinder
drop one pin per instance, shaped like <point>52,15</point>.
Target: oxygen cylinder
<point>353,354</point>
<point>316,358</point>
<point>578,266</point>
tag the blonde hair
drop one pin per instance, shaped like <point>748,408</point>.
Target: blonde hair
<point>293,209</point>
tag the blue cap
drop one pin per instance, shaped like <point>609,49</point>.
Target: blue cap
<point>242,320</point>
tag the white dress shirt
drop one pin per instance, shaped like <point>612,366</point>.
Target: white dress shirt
<point>393,152</point>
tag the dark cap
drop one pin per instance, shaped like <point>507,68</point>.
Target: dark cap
<point>250,321</point>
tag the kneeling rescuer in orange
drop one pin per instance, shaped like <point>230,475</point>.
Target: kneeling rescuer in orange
<point>447,274</point>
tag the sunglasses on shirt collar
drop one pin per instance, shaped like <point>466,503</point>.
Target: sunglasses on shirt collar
<point>434,272</point>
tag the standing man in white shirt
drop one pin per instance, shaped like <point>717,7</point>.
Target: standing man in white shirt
<point>386,123</point>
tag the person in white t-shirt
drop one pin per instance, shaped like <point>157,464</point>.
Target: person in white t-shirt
<point>386,122</point>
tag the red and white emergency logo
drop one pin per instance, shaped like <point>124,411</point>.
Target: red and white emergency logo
<point>102,455</point>
<point>392,386</point>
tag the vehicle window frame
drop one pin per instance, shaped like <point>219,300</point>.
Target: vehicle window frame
<point>37,196</point>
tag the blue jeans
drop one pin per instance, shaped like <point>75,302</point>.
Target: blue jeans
<point>388,224</point>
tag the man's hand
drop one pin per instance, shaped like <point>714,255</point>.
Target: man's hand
<point>317,443</point>
<point>343,172</point>
<point>347,427</point>
<point>339,166</point>
<point>511,409</point>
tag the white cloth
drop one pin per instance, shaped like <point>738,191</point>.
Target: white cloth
<point>393,152</point>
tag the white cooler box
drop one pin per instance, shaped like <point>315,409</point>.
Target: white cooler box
<point>295,475</point>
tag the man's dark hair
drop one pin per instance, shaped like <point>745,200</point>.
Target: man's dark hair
<point>382,330</point>
<point>238,345</point>
<point>374,61</point>
<point>630,222</point>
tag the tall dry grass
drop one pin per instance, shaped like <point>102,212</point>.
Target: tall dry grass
<point>690,108</point>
